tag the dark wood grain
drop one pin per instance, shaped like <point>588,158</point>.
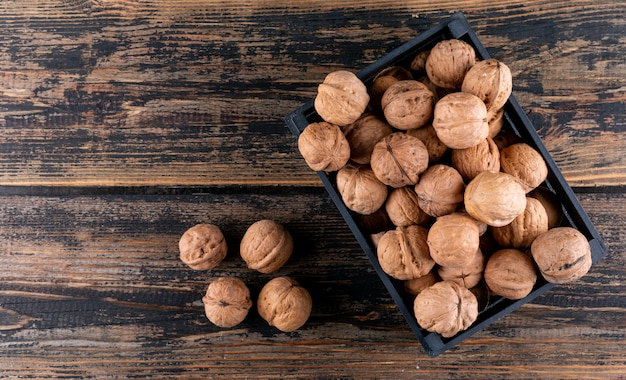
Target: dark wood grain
<point>124,123</point>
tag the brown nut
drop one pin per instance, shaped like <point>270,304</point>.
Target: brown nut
<point>524,163</point>
<point>453,240</point>
<point>227,301</point>
<point>284,304</point>
<point>324,146</point>
<point>375,222</point>
<point>360,190</point>
<point>449,61</point>
<point>495,121</point>
<point>562,254</point>
<point>403,208</point>
<point>445,308</point>
<point>202,246</point>
<point>471,161</point>
<point>468,275</point>
<point>550,203</point>
<point>510,273</point>
<point>521,232</point>
<point>363,134</point>
<point>384,79</point>
<point>494,198</point>
<point>491,81</point>
<point>341,98</point>
<point>266,246</point>
<point>415,285</point>
<point>398,159</point>
<point>407,104</point>
<point>436,149</point>
<point>460,120</point>
<point>440,190</point>
<point>403,253</point>
<point>419,61</point>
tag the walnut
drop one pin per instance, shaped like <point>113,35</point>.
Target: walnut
<point>436,149</point>
<point>407,104</point>
<point>510,273</point>
<point>324,146</point>
<point>363,134</point>
<point>415,285</point>
<point>341,98</point>
<point>284,304</point>
<point>440,190</point>
<point>403,208</point>
<point>473,160</point>
<point>449,61</point>
<point>491,81</point>
<point>453,240</point>
<point>398,159</point>
<point>562,254</point>
<point>375,222</point>
<point>495,121</point>
<point>227,301</point>
<point>266,246</point>
<point>521,232</point>
<point>468,275</point>
<point>403,253</point>
<point>445,308</point>
<point>419,61</point>
<point>384,79</point>
<point>505,138</point>
<point>550,203</point>
<point>494,198</point>
<point>460,120</point>
<point>202,246</point>
<point>360,190</point>
<point>524,163</point>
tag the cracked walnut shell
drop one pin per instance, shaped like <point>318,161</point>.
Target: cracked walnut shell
<point>284,304</point>
<point>266,246</point>
<point>202,246</point>
<point>562,254</point>
<point>445,308</point>
<point>324,147</point>
<point>403,253</point>
<point>398,159</point>
<point>341,98</point>
<point>227,301</point>
<point>360,190</point>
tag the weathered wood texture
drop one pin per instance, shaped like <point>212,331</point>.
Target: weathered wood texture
<point>126,93</point>
<point>123,123</point>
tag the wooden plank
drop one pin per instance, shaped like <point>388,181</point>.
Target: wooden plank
<point>193,93</point>
<point>92,286</point>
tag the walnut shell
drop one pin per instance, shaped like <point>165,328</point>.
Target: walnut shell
<point>524,163</point>
<point>494,198</point>
<point>468,275</point>
<point>491,81</point>
<point>562,254</point>
<point>550,203</point>
<point>360,190</point>
<point>471,161</point>
<point>227,301</point>
<point>403,208</point>
<point>521,232</point>
<point>324,146</point>
<point>449,61</point>
<point>202,246</point>
<point>341,98</point>
<point>436,149</point>
<point>384,79</point>
<point>495,121</point>
<point>445,308</point>
<point>415,285</point>
<point>440,190</point>
<point>510,273</point>
<point>407,104</point>
<point>453,240</point>
<point>419,61</point>
<point>284,304</point>
<point>398,159</point>
<point>403,253</point>
<point>363,134</point>
<point>266,246</point>
<point>375,222</point>
<point>460,120</point>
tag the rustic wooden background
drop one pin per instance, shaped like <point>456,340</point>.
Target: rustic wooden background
<point>123,123</point>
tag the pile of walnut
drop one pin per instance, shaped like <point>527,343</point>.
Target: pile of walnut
<point>266,247</point>
<point>452,201</point>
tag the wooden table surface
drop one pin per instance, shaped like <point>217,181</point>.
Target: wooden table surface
<point>123,123</point>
